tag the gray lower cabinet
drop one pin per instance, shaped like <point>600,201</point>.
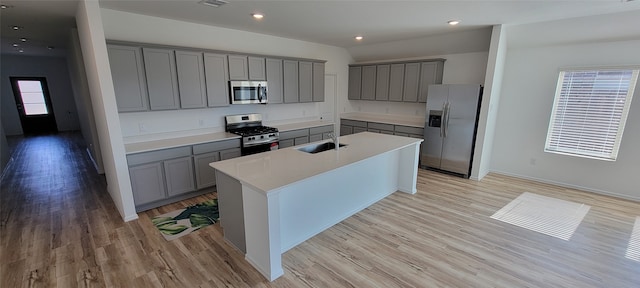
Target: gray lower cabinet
<point>205,175</point>
<point>162,79</point>
<point>290,81</point>
<point>348,126</point>
<point>318,82</point>
<point>382,82</point>
<point>147,183</point>
<point>396,82</point>
<point>191,79</point>
<point>129,82</point>
<point>320,133</point>
<point>368,83</point>
<point>179,176</point>
<point>355,83</point>
<point>216,71</point>
<point>274,81</point>
<point>346,129</point>
<point>230,153</point>
<point>302,136</point>
<point>305,81</point>
<point>284,143</point>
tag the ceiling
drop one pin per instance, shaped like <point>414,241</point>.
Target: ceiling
<point>46,22</point>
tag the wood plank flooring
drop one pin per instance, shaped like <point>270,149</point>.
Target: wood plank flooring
<point>59,228</point>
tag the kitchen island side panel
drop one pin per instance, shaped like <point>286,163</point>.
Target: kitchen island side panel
<point>231,210</point>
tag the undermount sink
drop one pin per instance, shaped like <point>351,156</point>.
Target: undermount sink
<point>316,148</point>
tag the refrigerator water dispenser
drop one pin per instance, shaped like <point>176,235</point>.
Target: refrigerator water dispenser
<point>435,118</point>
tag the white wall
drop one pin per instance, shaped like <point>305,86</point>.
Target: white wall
<point>82,97</point>
<point>103,100</point>
<point>146,29</point>
<point>4,151</point>
<point>530,79</point>
<point>465,68</point>
<point>54,69</point>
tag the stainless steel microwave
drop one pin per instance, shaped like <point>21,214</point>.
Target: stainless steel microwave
<point>248,92</point>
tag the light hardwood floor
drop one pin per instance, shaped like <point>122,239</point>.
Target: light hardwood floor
<point>60,228</point>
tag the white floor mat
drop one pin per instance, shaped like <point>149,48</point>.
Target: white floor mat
<point>633,250</point>
<point>550,216</point>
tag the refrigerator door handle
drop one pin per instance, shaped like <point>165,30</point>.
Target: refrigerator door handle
<point>442,119</point>
<point>445,117</point>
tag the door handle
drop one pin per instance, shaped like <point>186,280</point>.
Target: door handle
<point>442,120</point>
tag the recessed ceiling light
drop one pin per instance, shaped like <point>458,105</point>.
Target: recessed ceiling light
<point>50,47</point>
<point>359,38</point>
<point>454,22</point>
<point>20,50</point>
<point>23,39</point>
<point>15,27</point>
<point>3,6</point>
<point>15,45</point>
<point>258,15</point>
<point>213,3</point>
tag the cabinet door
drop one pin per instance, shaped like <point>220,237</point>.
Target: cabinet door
<point>257,68</point>
<point>368,83</point>
<point>315,137</point>
<point>162,78</point>
<point>205,174</point>
<point>382,82</point>
<point>305,81</point>
<point>396,82</point>
<point>285,143</point>
<point>216,72</point>
<point>147,183</point>
<point>411,81</point>
<point>238,67</point>
<point>230,153</point>
<point>346,130</point>
<point>191,81</point>
<point>290,81</point>
<point>127,72</point>
<point>318,82</point>
<point>359,129</point>
<point>179,176</point>
<point>355,83</point>
<point>301,140</point>
<point>274,81</point>
<point>430,73</point>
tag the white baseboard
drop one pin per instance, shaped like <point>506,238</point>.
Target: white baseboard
<point>567,185</point>
<point>95,165</point>
<point>6,168</point>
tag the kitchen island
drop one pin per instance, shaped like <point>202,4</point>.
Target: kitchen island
<point>271,202</point>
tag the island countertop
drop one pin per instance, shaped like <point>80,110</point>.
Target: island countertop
<point>271,170</point>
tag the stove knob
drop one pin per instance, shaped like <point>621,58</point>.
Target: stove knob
<point>262,137</point>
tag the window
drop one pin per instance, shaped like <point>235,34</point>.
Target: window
<point>32,97</point>
<point>589,112</point>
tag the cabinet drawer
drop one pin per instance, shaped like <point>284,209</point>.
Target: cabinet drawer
<point>285,143</point>
<point>321,129</point>
<point>409,130</point>
<point>345,130</point>
<point>315,137</point>
<point>354,123</point>
<point>294,134</point>
<point>359,129</point>
<point>216,146</point>
<point>380,126</point>
<point>154,156</point>
<point>230,153</point>
<point>301,140</point>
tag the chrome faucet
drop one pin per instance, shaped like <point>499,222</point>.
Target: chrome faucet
<point>334,139</point>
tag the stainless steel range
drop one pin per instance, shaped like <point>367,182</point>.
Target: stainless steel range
<point>256,138</point>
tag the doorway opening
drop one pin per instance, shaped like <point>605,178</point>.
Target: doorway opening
<point>34,105</point>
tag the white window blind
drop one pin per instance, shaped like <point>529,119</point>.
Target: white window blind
<point>589,112</point>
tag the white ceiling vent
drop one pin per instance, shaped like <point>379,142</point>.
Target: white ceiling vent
<point>214,3</point>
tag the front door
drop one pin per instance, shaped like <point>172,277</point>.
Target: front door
<point>34,105</point>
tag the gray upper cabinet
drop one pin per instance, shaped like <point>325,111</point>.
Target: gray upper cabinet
<point>396,82</point>
<point>216,75</point>
<point>257,68</point>
<point>290,86</point>
<point>274,81</point>
<point>411,82</point>
<point>382,82</point>
<point>430,73</point>
<point>355,82</point>
<point>368,82</point>
<point>191,80</point>
<point>305,81</point>
<point>127,71</point>
<point>318,82</point>
<point>238,67</point>
<point>162,79</point>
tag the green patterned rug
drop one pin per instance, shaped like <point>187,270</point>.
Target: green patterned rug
<point>178,223</point>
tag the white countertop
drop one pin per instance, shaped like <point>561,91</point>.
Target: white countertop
<point>411,121</point>
<point>274,169</point>
<point>153,142</point>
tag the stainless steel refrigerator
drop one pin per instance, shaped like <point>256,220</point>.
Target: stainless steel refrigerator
<point>450,128</point>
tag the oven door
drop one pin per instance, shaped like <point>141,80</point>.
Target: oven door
<point>259,148</point>
<point>248,92</point>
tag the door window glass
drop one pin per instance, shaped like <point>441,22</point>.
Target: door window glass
<point>32,97</point>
